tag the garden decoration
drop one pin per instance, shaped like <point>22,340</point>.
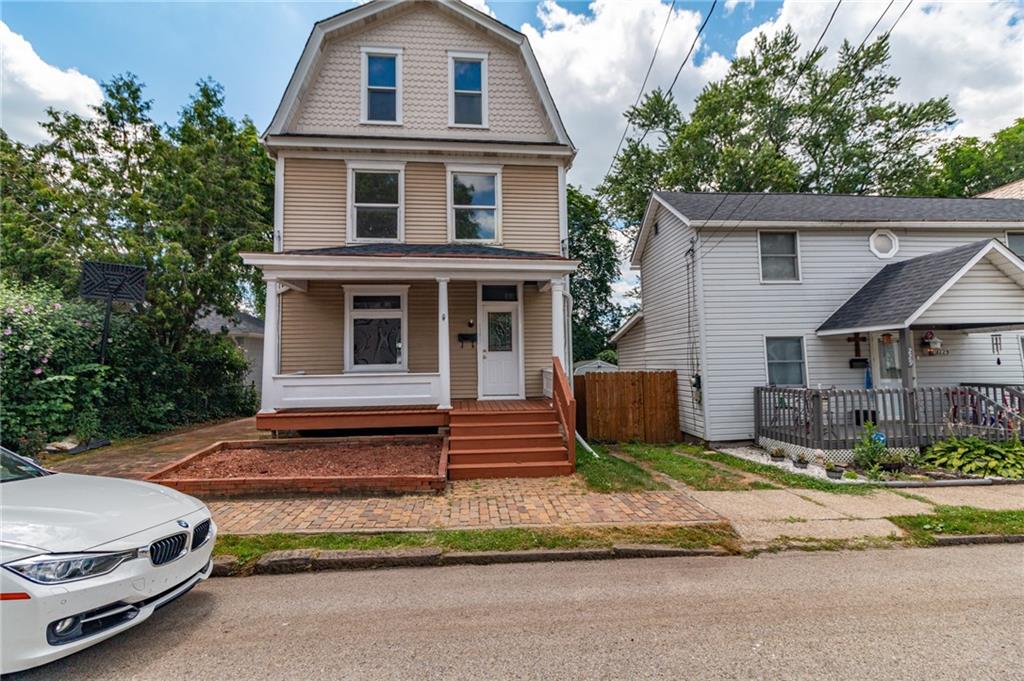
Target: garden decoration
<point>112,281</point>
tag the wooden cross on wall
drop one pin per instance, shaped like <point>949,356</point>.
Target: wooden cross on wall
<point>856,339</point>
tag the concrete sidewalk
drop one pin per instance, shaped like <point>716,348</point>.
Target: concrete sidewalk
<point>762,516</point>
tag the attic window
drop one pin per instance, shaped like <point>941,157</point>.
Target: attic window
<point>883,243</point>
<point>382,85</point>
<point>467,97</point>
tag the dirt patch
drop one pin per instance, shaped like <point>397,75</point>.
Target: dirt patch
<point>408,457</point>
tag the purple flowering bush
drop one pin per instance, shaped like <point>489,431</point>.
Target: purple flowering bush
<point>52,385</point>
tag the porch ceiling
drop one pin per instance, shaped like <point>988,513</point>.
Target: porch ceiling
<point>902,293</point>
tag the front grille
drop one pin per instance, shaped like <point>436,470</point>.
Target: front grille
<point>200,534</point>
<point>167,549</point>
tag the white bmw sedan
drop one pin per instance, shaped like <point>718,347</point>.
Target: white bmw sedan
<point>85,557</point>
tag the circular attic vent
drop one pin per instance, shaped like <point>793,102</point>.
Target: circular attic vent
<point>883,243</point>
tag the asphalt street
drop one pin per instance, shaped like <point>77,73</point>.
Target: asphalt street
<point>949,613</point>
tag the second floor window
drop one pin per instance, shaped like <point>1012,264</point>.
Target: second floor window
<point>780,257</point>
<point>474,205</point>
<point>468,100</point>
<point>376,206</point>
<point>1015,240</point>
<point>382,85</point>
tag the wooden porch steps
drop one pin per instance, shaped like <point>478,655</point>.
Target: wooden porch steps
<point>513,441</point>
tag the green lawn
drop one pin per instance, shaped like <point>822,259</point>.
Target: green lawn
<point>960,520</point>
<point>609,473</point>
<point>785,478</point>
<point>697,474</point>
<point>248,548</point>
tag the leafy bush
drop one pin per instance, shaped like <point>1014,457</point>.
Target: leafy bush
<point>870,450</point>
<point>52,384</point>
<point>974,456</point>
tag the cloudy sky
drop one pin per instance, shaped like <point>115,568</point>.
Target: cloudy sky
<point>593,54</point>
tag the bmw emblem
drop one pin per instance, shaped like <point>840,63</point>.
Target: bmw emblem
<point>183,523</point>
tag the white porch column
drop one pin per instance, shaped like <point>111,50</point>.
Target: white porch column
<point>558,320</point>
<point>271,346</point>
<point>444,364</point>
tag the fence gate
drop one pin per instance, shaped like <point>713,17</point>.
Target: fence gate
<point>630,405</point>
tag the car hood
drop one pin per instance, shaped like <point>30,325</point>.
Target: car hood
<point>65,512</point>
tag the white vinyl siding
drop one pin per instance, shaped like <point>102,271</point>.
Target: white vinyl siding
<point>835,263</point>
<point>983,295</point>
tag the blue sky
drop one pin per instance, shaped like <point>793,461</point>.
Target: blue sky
<point>249,47</point>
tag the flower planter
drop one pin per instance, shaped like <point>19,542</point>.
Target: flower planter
<point>893,467</point>
<point>800,464</point>
<point>835,473</point>
<point>777,459</point>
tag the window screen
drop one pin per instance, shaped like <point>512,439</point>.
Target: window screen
<point>778,256</point>
<point>785,361</point>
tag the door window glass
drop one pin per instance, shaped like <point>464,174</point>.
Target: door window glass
<point>499,331</point>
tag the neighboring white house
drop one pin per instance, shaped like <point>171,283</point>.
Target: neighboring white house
<point>1011,190</point>
<point>590,366</point>
<point>247,332</point>
<point>746,290</point>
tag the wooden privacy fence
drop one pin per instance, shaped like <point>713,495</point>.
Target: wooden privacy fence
<point>629,405</point>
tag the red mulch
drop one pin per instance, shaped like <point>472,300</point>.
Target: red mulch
<point>411,457</point>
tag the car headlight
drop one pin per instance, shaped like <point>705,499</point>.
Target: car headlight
<point>69,567</point>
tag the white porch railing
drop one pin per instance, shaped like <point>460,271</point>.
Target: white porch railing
<point>355,389</point>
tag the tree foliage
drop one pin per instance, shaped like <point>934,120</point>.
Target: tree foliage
<point>181,201</point>
<point>780,121</point>
<point>967,166</point>
<point>595,314</point>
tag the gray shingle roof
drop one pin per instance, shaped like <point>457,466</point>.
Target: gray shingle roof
<point>899,289</point>
<point>428,250</point>
<point>840,207</point>
<point>240,322</point>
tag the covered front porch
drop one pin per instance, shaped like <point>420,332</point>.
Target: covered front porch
<point>937,352</point>
<point>369,331</point>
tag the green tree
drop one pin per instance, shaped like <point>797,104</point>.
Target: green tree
<point>595,315</point>
<point>779,121</point>
<point>967,166</point>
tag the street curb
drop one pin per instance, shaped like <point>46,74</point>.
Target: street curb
<point>225,565</point>
<point>368,560</point>
<point>529,556</point>
<point>965,539</point>
<point>661,551</point>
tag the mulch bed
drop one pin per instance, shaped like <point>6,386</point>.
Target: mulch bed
<point>384,458</point>
<point>388,464</point>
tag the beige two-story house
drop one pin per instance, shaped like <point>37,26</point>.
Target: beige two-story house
<point>420,266</point>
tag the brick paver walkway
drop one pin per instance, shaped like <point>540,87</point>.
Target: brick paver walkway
<point>142,456</point>
<point>509,502</point>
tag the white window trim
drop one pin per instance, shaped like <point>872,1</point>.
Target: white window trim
<point>350,198</point>
<point>803,349</point>
<point>450,171</point>
<point>892,237</point>
<point>799,266</point>
<point>364,84</point>
<point>350,316</point>
<point>1015,232</point>
<point>468,56</point>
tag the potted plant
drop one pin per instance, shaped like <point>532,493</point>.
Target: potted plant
<point>892,461</point>
<point>800,460</point>
<point>777,455</point>
<point>833,471</point>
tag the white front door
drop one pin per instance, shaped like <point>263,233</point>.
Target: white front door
<point>887,373</point>
<point>499,349</point>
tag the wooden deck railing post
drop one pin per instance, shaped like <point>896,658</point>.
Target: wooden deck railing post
<point>816,430</point>
<point>758,392</point>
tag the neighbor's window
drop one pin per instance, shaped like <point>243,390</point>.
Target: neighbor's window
<point>779,258</point>
<point>474,206</point>
<point>468,101</point>
<point>376,205</point>
<point>382,76</point>
<point>785,361</point>
<point>1015,240</point>
<point>376,326</point>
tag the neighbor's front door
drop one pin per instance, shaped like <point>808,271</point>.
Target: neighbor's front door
<point>499,350</point>
<point>886,373</point>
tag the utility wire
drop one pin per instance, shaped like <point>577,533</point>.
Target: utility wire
<point>644,84</point>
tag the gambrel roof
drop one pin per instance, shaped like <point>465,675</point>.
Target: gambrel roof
<point>377,10</point>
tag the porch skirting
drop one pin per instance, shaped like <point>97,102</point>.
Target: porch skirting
<point>836,456</point>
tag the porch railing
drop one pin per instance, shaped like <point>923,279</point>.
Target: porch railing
<point>835,418</point>
<point>565,407</point>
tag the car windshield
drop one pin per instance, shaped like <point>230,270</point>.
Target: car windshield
<point>14,467</point>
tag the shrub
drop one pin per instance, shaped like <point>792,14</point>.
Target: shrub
<point>974,456</point>
<point>52,384</point>
<point>870,450</point>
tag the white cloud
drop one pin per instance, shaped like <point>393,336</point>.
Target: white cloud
<point>594,66</point>
<point>480,5</point>
<point>30,85</point>
<point>730,5</point>
<point>973,52</point>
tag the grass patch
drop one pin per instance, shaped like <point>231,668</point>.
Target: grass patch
<point>959,520</point>
<point>612,474</point>
<point>785,478</point>
<point>249,548</point>
<point>693,472</point>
